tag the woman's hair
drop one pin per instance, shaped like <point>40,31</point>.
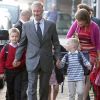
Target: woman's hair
<point>83,15</point>
<point>14,30</point>
<point>85,6</point>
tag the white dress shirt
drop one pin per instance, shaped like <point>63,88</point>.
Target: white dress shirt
<point>41,25</point>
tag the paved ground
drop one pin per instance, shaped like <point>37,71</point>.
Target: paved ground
<point>61,96</point>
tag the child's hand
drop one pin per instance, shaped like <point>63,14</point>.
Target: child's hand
<point>58,63</point>
<point>17,64</point>
<point>89,67</point>
<point>97,63</point>
<point>1,76</point>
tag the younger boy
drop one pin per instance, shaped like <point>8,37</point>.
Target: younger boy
<point>12,73</point>
<point>75,70</point>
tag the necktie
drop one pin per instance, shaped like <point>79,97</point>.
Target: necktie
<point>39,32</point>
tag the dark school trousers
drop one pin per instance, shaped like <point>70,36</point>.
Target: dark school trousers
<point>13,79</point>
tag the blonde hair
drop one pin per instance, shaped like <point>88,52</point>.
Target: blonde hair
<point>14,30</point>
<point>73,41</point>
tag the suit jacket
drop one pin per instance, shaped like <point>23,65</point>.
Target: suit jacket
<point>18,25</point>
<point>36,52</point>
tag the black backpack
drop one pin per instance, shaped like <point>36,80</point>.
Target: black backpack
<point>2,81</point>
<point>58,72</point>
<point>85,53</point>
<point>64,69</point>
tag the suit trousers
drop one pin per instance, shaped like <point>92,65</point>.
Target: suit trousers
<point>24,84</point>
<point>44,78</point>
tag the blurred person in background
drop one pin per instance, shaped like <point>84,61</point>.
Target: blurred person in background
<point>52,14</point>
<point>24,17</point>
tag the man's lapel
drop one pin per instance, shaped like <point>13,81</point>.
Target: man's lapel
<point>33,29</point>
<point>46,26</point>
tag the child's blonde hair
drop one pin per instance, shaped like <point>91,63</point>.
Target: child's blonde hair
<point>73,41</point>
<point>14,30</point>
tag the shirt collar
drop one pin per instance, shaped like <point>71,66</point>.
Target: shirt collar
<point>13,45</point>
<point>41,21</point>
<point>22,21</point>
<point>73,52</point>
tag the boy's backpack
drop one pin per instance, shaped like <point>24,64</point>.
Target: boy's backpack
<point>59,74</point>
<point>3,37</point>
<point>86,54</point>
<point>6,49</point>
<point>64,69</point>
<point>2,83</point>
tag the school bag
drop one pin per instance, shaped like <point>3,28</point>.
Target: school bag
<point>86,54</point>
<point>64,69</point>
<point>59,74</point>
<point>63,52</point>
<point>2,81</point>
<point>3,38</point>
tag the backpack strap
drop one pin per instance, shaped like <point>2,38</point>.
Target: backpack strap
<point>65,64</point>
<point>6,45</point>
<point>80,58</point>
<point>86,70</point>
<point>66,56</point>
<point>85,53</point>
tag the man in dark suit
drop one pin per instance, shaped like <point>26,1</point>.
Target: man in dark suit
<point>24,17</point>
<point>39,59</point>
